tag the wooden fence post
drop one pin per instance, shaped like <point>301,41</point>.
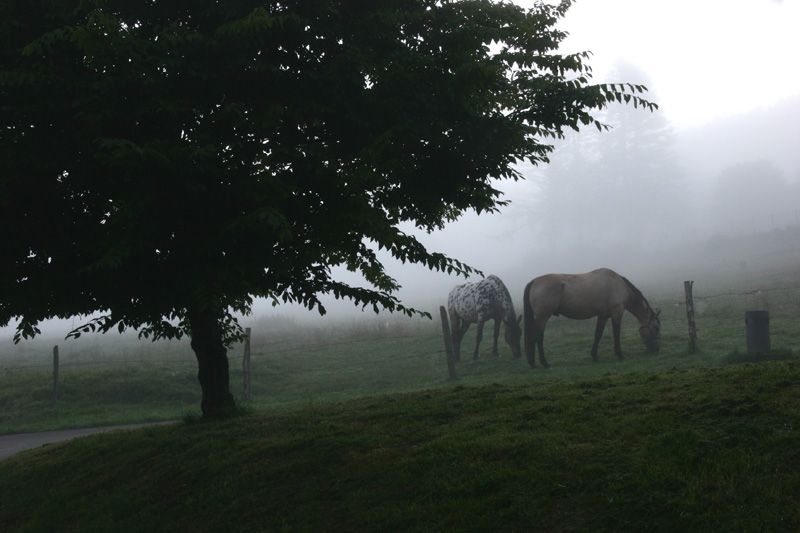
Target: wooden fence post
<point>246,364</point>
<point>448,343</point>
<point>55,375</point>
<point>687,287</point>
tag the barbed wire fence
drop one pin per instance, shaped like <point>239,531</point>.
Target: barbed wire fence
<point>233,356</point>
<point>238,357</point>
<point>241,355</point>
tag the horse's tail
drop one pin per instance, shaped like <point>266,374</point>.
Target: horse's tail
<point>530,328</point>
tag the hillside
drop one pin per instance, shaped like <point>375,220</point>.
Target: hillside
<point>701,449</point>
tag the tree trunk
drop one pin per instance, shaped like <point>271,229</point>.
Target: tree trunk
<point>212,360</point>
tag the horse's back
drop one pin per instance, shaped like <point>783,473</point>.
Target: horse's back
<point>480,300</point>
<point>463,302</point>
<point>578,296</point>
<point>501,301</point>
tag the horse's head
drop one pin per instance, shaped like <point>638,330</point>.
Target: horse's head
<point>651,332</point>
<point>513,334</point>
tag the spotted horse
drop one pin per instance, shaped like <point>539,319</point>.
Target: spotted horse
<point>479,302</point>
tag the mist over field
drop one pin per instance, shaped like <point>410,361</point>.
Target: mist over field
<point>657,205</point>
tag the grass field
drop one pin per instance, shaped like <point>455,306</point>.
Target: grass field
<point>105,380</point>
<point>698,450</point>
<point>356,426</point>
<point>111,390</point>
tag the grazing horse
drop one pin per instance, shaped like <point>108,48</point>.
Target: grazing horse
<point>602,293</point>
<point>480,302</point>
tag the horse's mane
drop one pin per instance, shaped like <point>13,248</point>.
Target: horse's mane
<point>511,319</point>
<point>637,293</point>
<point>506,293</point>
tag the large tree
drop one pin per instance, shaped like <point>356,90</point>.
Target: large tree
<point>164,162</point>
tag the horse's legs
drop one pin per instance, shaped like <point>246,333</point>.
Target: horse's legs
<point>539,341</point>
<point>497,323</point>
<point>616,323</point>
<point>598,334</point>
<point>531,336</point>
<point>478,339</point>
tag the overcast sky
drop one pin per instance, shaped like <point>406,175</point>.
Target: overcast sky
<point>707,58</point>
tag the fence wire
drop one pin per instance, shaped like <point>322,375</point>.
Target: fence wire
<point>748,293</point>
<point>232,357</point>
<point>754,292</point>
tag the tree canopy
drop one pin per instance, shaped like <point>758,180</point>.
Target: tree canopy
<point>162,163</point>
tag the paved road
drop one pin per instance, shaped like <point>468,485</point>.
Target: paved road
<point>11,444</point>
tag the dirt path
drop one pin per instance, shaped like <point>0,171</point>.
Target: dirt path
<point>11,444</point>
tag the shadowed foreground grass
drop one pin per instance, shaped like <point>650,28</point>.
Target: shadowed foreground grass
<point>699,450</point>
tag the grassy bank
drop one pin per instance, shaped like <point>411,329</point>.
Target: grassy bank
<point>700,449</point>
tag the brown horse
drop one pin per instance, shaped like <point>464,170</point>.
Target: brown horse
<point>602,293</point>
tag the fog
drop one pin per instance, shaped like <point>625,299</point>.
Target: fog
<point>658,196</point>
<point>649,201</point>
<point>653,197</point>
